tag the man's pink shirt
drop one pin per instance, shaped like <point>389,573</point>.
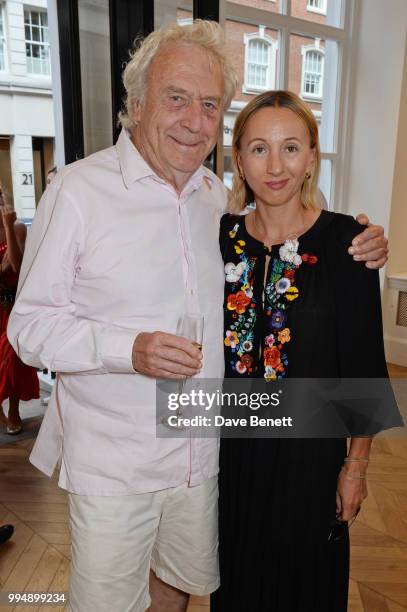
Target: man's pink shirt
<point>114,251</point>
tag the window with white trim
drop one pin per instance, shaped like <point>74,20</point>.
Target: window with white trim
<point>2,39</point>
<point>36,42</point>
<point>260,61</point>
<point>312,73</point>
<point>322,80</point>
<point>317,6</point>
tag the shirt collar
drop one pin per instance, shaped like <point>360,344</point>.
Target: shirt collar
<point>134,167</point>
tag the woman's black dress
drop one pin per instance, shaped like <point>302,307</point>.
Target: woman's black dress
<point>278,496</point>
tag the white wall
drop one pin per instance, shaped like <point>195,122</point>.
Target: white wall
<point>22,168</point>
<point>24,113</point>
<point>398,218</point>
<point>396,283</point>
<point>376,92</point>
<point>376,140</point>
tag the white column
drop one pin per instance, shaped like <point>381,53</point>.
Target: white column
<point>15,20</point>
<point>59,153</point>
<point>22,168</point>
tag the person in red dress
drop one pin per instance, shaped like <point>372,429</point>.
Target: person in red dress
<point>17,380</point>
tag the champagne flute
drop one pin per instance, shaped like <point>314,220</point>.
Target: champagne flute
<point>190,326</point>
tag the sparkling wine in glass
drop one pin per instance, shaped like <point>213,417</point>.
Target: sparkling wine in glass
<point>190,326</point>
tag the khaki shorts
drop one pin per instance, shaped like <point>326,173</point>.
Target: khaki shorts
<point>115,541</point>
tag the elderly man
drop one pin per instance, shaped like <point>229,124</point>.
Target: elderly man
<point>124,242</point>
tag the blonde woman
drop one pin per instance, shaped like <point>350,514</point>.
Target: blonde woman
<point>296,305</point>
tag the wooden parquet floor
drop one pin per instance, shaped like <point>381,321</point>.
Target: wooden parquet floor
<point>37,557</point>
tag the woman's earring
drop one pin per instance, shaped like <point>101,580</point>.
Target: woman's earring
<point>308,175</point>
<point>241,176</point>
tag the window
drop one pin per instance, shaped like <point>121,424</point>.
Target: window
<point>309,53</point>
<point>312,72</point>
<point>260,61</point>
<point>317,6</point>
<point>2,39</point>
<point>36,42</point>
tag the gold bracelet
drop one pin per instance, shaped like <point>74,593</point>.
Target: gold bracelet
<point>356,459</point>
<point>360,477</point>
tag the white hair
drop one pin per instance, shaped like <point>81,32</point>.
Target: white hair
<point>207,34</point>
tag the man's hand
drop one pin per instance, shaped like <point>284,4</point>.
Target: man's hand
<point>371,245</point>
<point>163,355</point>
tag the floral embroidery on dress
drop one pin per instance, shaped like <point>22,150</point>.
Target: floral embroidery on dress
<point>238,301</point>
<point>234,272</point>
<point>284,335</point>
<point>239,337</point>
<point>239,246</point>
<point>279,292</point>
<point>233,231</point>
<point>288,252</point>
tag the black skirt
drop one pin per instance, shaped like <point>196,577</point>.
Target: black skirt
<point>276,512</point>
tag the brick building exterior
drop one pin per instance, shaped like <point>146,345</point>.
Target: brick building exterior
<point>254,51</point>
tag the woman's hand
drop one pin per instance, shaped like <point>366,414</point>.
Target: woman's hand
<point>351,491</point>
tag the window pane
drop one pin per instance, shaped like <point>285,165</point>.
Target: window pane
<point>274,6</point>
<point>228,171</point>
<point>35,33</point>
<point>328,12</point>
<point>254,51</point>
<point>94,38</point>
<point>38,59</point>
<point>325,184</point>
<point>166,11</point>
<point>2,42</point>
<point>313,69</point>
<point>313,73</point>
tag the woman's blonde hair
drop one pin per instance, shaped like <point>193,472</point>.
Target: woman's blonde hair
<point>241,192</point>
<point>207,34</point>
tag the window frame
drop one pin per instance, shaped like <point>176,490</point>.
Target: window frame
<point>3,39</point>
<point>339,98</point>
<point>315,9</point>
<point>41,43</point>
<point>272,45</point>
<point>314,48</point>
